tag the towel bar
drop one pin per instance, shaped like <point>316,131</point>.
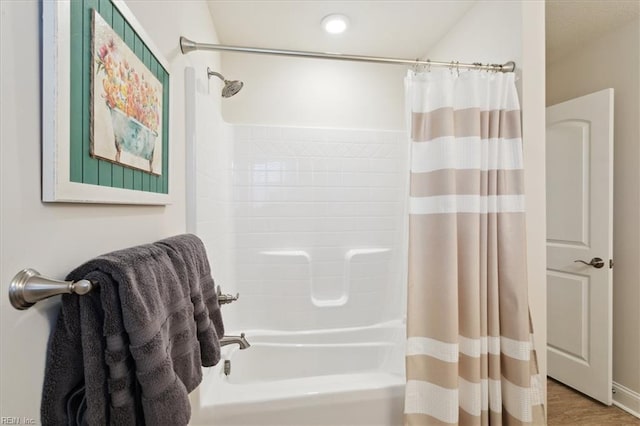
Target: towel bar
<point>29,287</point>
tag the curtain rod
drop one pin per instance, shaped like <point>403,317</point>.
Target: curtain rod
<point>187,46</point>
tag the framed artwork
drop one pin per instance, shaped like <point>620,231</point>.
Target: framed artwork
<point>105,106</point>
<point>126,102</point>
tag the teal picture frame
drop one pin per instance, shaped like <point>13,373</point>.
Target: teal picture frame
<point>70,172</point>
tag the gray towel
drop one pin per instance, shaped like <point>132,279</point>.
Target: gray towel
<point>136,344</point>
<point>189,251</point>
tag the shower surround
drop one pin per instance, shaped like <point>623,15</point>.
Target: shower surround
<point>318,226</point>
<point>307,224</point>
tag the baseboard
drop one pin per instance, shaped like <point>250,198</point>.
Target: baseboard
<point>626,399</point>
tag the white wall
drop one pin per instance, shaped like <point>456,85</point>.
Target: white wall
<point>54,238</point>
<point>614,61</point>
<point>314,93</point>
<point>496,32</point>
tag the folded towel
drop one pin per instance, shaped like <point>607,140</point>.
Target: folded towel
<point>190,252</point>
<point>137,342</point>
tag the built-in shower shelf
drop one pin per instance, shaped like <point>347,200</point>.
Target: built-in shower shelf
<point>361,273</point>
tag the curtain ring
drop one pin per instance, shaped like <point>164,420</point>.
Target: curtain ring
<point>416,66</point>
<point>428,65</point>
<point>458,68</point>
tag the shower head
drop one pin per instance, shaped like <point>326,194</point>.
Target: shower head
<point>230,87</point>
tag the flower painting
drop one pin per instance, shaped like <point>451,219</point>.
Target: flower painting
<point>126,104</point>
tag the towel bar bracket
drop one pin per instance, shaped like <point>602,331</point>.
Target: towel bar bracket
<point>28,287</point>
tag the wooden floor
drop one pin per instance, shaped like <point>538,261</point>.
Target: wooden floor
<point>568,407</point>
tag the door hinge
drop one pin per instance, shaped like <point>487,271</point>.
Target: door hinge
<point>610,263</point>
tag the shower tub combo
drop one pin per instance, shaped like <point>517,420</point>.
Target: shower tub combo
<point>307,225</point>
<point>306,369</point>
<point>332,377</point>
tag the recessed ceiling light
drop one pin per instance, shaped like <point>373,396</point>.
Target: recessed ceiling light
<point>335,23</point>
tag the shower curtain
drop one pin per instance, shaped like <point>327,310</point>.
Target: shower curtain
<point>470,358</point>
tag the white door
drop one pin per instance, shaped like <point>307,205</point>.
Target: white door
<point>580,228</point>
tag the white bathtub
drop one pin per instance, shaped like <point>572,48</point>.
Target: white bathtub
<point>329,377</point>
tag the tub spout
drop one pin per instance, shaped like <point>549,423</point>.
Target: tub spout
<point>230,340</point>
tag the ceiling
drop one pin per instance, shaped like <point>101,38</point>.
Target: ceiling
<point>401,29</point>
<point>397,28</point>
<point>571,23</point>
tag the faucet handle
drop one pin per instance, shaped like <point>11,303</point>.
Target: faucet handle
<point>223,299</point>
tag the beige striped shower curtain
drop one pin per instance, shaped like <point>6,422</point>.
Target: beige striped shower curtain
<point>470,358</point>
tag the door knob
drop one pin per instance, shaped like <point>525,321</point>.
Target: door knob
<point>596,262</point>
